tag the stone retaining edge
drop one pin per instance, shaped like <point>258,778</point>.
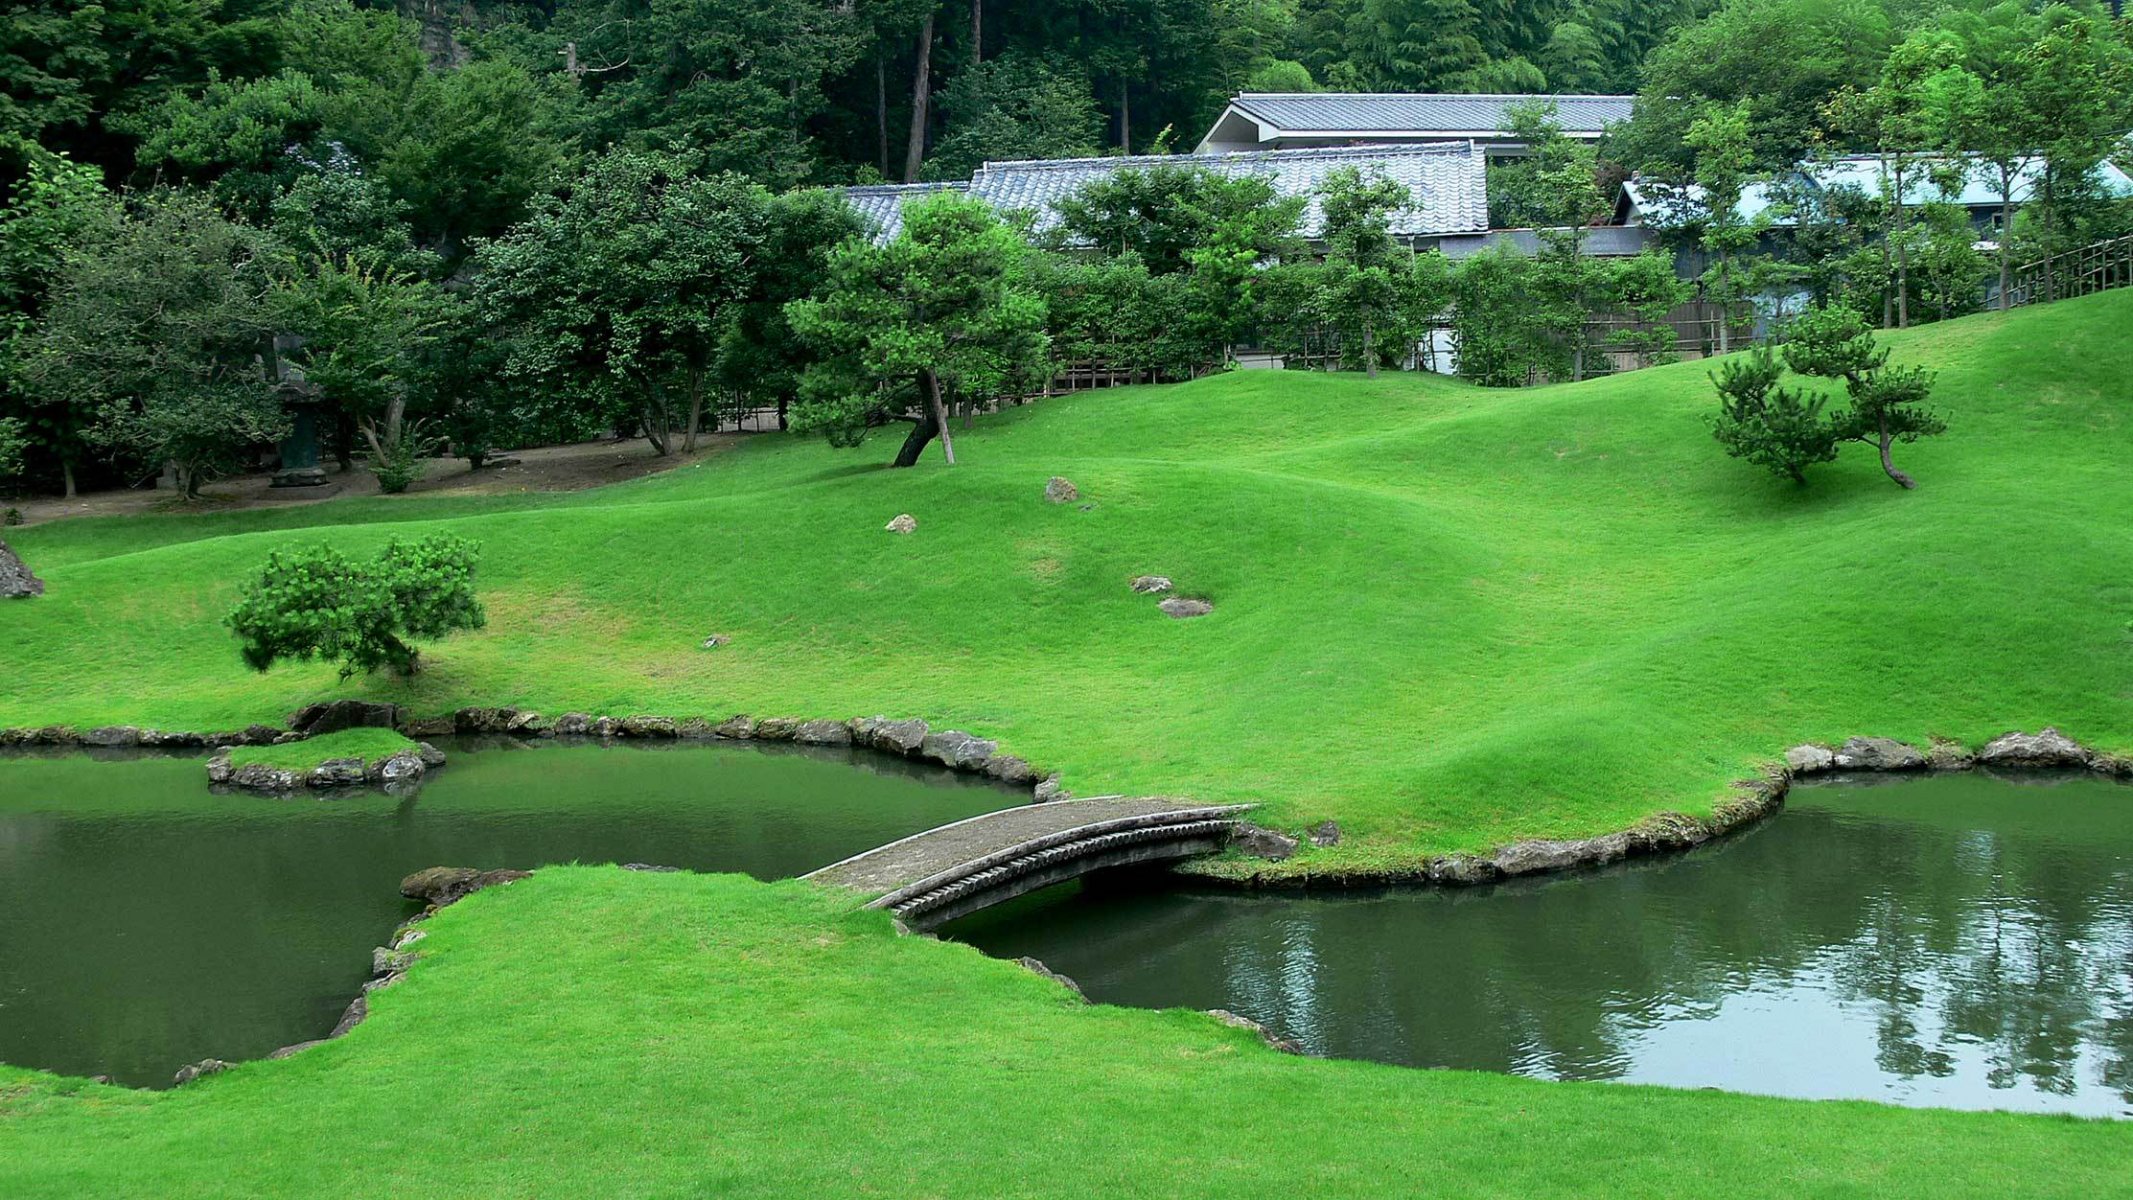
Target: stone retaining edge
<point>907,738</point>
<point>1750,801</point>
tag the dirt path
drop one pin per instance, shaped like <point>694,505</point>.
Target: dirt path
<point>545,469</point>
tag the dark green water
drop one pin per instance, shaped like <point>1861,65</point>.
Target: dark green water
<point>146,923</point>
<point>1954,941</point>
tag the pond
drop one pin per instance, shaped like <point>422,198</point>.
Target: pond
<point>1952,940</point>
<point>149,923</point>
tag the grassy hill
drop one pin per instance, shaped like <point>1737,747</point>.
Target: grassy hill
<point>1445,616</point>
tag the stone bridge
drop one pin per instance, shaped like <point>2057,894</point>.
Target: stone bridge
<point>936,876</point>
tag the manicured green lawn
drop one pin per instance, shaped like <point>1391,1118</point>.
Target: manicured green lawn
<point>370,745</point>
<point>1445,616</point>
<point>595,1032</point>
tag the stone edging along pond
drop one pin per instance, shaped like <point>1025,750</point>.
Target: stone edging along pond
<point>910,738</point>
<point>1750,800</point>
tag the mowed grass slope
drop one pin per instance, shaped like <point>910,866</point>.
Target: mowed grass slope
<point>596,1032</point>
<point>1444,616</point>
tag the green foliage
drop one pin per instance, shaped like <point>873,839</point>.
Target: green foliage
<point>14,444</point>
<point>616,293</point>
<point>1164,212</point>
<point>363,331</point>
<point>1778,428</point>
<point>1500,336</point>
<point>1376,294</point>
<point>1786,430</point>
<point>947,307</point>
<point>1108,309</point>
<point>152,339</point>
<point>1013,108</point>
<point>316,603</point>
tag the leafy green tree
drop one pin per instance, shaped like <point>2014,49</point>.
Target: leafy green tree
<point>1500,337</point>
<point>1647,287</point>
<point>473,149</point>
<point>616,293</point>
<point>1913,117</point>
<point>1781,429</point>
<point>1370,281</point>
<point>60,207</point>
<point>1013,108</point>
<point>1560,195</point>
<point>1725,165</point>
<point>317,604</point>
<point>2077,84</point>
<point>1777,62</point>
<point>1887,403</point>
<point>363,329</point>
<point>760,357</point>
<point>1947,270</point>
<point>155,335</point>
<point>1162,213</point>
<point>945,309</point>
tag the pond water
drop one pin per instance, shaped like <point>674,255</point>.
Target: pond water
<point>1953,940</point>
<point>149,923</point>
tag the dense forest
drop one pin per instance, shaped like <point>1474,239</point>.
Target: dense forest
<point>471,223</point>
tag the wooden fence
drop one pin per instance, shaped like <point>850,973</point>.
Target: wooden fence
<point>2097,267</point>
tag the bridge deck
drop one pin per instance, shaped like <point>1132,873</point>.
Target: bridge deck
<point>967,845</point>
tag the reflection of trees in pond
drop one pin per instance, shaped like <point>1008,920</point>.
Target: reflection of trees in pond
<point>1964,926</point>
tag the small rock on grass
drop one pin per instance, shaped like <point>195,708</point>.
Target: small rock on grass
<point>1151,585</point>
<point>1183,607</point>
<point>1060,490</point>
<point>902,523</point>
<point>1260,842</point>
<point>714,641</point>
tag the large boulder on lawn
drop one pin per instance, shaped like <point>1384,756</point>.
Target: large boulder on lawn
<point>336,715</point>
<point>1879,754</point>
<point>2049,748</point>
<point>16,582</point>
<point>439,886</point>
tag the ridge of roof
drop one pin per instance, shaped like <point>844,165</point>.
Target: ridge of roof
<point>1448,147</point>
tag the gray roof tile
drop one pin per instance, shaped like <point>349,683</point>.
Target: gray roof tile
<point>882,204</point>
<point>1420,112</point>
<point>1447,180</point>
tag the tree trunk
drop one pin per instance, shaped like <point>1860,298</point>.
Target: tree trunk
<point>656,427</point>
<point>921,94</point>
<point>977,32</point>
<point>1903,257</point>
<point>1370,354</point>
<point>922,431</point>
<point>1125,119</point>
<point>783,403</point>
<point>2006,231</point>
<point>881,112</point>
<point>940,416</point>
<point>344,434</point>
<point>696,409</point>
<point>66,475</point>
<point>1888,465</point>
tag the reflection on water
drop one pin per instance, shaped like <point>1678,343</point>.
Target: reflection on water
<point>1955,940</point>
<point>146,923</point>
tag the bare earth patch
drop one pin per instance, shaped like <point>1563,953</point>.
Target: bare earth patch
<point>543,469</point>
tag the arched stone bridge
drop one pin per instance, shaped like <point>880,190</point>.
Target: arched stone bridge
<point>936,876</point>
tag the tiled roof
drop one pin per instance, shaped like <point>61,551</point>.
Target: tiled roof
<point>1421,113</point>
<point>882,204</point>
<point>1446,179</point>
